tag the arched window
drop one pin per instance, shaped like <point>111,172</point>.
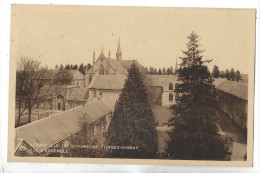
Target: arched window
<point>170,86</point>
<point>170,97</point>
<point>101,70</point>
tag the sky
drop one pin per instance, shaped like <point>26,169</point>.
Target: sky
<point>153,36</point>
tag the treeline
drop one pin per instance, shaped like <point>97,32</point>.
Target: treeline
<point>81,68</point>
<point>228,74</point>
<point>163,71</point>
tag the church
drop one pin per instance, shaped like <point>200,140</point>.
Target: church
<point>108,66</point>
<point>106,79</point>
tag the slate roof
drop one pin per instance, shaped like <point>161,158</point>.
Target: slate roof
<point>111,82</point>
<point>218,81</point>
<point>44,133</point>
<point>76,74</point>
<point>78,94</point>
<point>160,80</point>
<point>238,89</point>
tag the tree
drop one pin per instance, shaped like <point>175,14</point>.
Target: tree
<point>222,74</point>
<point>159,71</point>
<point>81,68</point>
<point>163,71</point>
<point>194,135</point>
<point>88,66</point>
<point>232,74</point>
<point>171,70</point>
<point>56,67</point>
<point>67,67</point>
<point>215,72</point>
<point>61,67</point>
<point>227,74</point>
<point>75,67</point>
<point>151,70</point>
<point>238,76</point>
<point>31,88</point>
<point>155,71</point>
<point>62,77</point>
<point>133,122</point>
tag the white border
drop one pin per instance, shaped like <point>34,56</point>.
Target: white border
<point>51,167</point>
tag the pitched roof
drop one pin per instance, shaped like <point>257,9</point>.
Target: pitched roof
<point>160,80</point>
<point>238,89</point>
<point>61,125</point>
<point>78,94</point>
<point>218,81</point>
<point>76,74</point>
<point>111,82</point>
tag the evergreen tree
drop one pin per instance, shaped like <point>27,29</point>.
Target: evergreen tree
<point>222,74</point>
<point>155,71</point>
<point>171,70</point>
<point>227,74</point>
<point>168,71</point>
<point>159,71</point>
<point>88,67</point>
<point>232,74</point>
<point>194,135</point>
<point>61,67</point>
<point>238,76</point>
<point>133,122</point>
<point>75,67</point>
<point>82,68</point>
<point>56,66</point>
<point>215,72</point>
<point>151,70</point>
<point>163,71</point>
<point>67,67</point>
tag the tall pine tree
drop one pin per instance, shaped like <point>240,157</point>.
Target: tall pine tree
<point>133,122</point>
<point>194,135</point>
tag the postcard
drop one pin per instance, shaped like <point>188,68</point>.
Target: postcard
<point>131,85</point>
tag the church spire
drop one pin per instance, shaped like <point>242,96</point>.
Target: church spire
<point>118,52</point>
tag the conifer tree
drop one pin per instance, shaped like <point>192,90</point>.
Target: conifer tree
<point>238,76</point>
<point>159,71</point>
<point>222,74</point>
<point>232,74</point>
<point>194,135</point>
<point>215,72</point>
<point>133,122</point>
<point>227,74</point>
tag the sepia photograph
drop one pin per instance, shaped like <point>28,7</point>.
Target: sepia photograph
<point>141,85</point>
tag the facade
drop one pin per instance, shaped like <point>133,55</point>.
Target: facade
<point>108,66</point>
<point>65,97</point>
<point>34,139</point>
<point>233,97</point>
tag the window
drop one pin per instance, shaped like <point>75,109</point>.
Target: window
<point>170,86</point>
<point>100,95</point>
<point>95,94</point>
<point>170,97</point>
<point>101,70</point>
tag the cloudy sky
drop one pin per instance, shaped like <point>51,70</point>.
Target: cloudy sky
<point>153,36</point>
